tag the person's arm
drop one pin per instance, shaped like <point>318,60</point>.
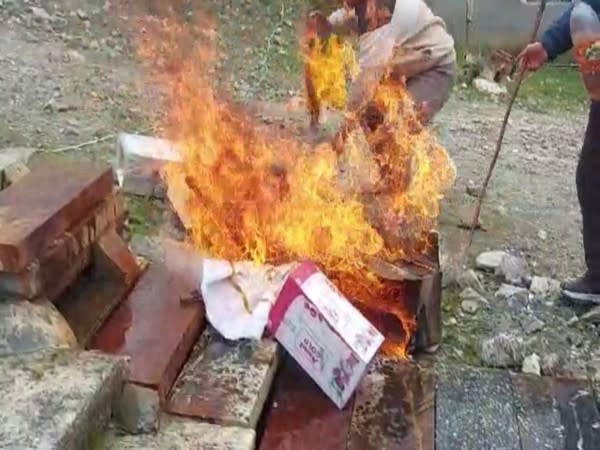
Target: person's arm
<point>557,38</point>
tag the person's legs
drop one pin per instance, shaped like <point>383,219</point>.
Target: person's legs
<point>431,90</point>
<point>587,288</point>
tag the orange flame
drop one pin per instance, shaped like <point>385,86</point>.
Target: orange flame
<point>253,195</point>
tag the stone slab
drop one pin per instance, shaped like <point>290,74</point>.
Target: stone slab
<point>137,410</point>
<point>474,410</point>
<point>225,382</point>
<point>186,434</point>
<point>44,204</point>
<point>67,257</point>
<point>579,415</point>
<point>537,416</point>
<point>27,327</point>
<point>301,417</point>
<point>154,329</point>
<point>394,407</point>
<point>57,400</point>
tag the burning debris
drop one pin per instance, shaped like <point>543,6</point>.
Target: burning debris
<point>249,195</point>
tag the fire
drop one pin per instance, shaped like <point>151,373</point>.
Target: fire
<point>329,62</point>
<point>254,195</point>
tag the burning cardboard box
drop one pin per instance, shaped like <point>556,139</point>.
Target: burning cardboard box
<point>330,339</point>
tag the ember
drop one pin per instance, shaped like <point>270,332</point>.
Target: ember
<point>252,195</point>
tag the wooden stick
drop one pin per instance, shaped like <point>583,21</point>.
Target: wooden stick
<point>520,76</point>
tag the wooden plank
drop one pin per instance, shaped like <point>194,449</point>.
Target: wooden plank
<point>394,407</point>
<point>537,416</point>
<point>578,414</point>
<point>40,207</point>
<point>301,417</point>
<point>66,258</point>
<point>225,382</point>
<point>154,329</point>
<point>474,410</point>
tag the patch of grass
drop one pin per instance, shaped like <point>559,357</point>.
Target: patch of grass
<point>144,215</point>
<point>554,88</point>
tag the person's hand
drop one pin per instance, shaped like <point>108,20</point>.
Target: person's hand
<point>532,57</point>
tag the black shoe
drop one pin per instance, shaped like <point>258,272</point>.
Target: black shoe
<point>583,289</point>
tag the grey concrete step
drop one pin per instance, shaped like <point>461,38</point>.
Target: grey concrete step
<point>57,399</point>
<point>184,434</point>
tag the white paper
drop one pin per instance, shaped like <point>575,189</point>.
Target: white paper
<point>239,296</point>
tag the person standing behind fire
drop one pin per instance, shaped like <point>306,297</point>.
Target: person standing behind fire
<point>557,39</point>
<point>410,40</point>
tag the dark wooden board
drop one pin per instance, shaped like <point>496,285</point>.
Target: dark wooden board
<point>537,415</point>
<point>394,407</point>
<point>50,200</point>
<point>301,417</point>
<point>578,414</point>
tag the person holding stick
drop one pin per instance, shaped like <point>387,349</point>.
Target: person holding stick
<point>558,39</point>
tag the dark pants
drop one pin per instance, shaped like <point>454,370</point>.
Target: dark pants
<point>588,190</point>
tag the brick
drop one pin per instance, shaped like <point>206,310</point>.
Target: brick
<point>394,407</point>
<point>154,329</point>
<point>301,417</point>
<point>43,205</point>
<point>98,291</point>
<point>66,257</point>
<point>225,382</point>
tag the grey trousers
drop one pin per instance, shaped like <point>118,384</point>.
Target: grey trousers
<point>431,90</point>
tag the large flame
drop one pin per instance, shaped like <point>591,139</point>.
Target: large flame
<point>251,194</point>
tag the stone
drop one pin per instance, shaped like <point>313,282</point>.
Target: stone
<point>472,295</point>
<point>469,306</point>
<point>83,15</point>
<point>592,316</point>
<point>473,191</point>
<point>58,399</point>
<point>154,328</point>
<point>533,326</point>
<point>149,247</point>
<point>512,270</point>
<point>509,292</point>
<point>137,410</point>
<point>531,365</point>
<point>488,87</point>
<point>27,327</point>
<point>13,164</point>
<point>42,206</point>
<point>545,287</point>
<point>184,434</point>
<point>225,382</point>
<point>550,364</point>
<point>503,350</point>
<point>40,13</point>
<point>470,279</point>
<point>75,57</point>
<point>490,261</point>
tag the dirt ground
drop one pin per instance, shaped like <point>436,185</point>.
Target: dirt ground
<point>67,77</point>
